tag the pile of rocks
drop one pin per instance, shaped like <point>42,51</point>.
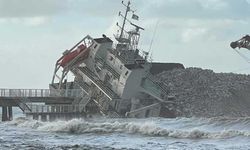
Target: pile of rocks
<point>203,93</point>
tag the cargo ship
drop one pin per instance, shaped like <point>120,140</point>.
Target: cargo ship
<point>116,78</point>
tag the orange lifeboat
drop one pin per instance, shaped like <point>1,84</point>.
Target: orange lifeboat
<point>70,56</point>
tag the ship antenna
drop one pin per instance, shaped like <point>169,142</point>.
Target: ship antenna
<point>125,17</point>
<point>152,40</point>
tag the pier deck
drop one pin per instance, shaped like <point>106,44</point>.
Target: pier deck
<point>22,98</point>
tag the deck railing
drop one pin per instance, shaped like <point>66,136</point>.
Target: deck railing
<point>140,110</point>
<point>36,108</point>
<point>39,93</point>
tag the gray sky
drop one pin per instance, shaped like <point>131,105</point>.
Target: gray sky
<point>197,33</point>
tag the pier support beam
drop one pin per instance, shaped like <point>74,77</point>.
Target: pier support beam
<point>52,117</point>
<point>7,113</point>
<point>10,112</point>
<point>4,113</point>
<point>35,116</point>
<point>43,117</point>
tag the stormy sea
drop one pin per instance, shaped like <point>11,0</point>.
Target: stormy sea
<point>126,134</point>
<point>213,110</point>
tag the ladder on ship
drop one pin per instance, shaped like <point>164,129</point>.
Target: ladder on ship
<point>108,67</point>
<point>100,85</point>
<point>152,88</point>
<point>73,66</point>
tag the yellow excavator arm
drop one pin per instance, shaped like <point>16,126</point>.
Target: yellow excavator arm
<point>244,42</point>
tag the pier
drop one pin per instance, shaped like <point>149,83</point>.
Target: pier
<point>39,102</point>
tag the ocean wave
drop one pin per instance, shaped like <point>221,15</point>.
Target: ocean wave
<point>238,123</point>
<point>148,128</point>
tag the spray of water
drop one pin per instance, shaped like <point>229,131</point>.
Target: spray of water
<point>148,128</point>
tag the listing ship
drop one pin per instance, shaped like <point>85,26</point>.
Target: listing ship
<point>116,78</point>
<point>110,78</point>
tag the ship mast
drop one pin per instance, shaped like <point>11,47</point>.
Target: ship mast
<point>129,38</point>
<point>125,18</point>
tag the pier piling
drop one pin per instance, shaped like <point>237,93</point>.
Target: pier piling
<point>43,117</point>
<point>7,114</point>
<point>35,116</point>
<point>10,113</point>
<point>4,114</point>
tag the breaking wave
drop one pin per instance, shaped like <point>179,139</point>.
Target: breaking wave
<point>147,128</point>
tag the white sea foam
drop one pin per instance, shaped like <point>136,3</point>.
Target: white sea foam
<point>148,128</point>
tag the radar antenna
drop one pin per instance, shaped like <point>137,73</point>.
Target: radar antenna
<point>129,38</point>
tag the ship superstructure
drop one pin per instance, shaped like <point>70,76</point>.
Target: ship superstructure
<point>114,76</point>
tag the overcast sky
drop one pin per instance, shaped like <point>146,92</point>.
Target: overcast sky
<point>197,33</point>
